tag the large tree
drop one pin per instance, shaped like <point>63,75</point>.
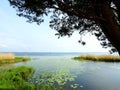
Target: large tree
<point>98,17</point>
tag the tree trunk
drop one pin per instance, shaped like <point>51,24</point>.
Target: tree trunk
<point>110,27</point>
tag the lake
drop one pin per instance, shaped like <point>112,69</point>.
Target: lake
<point>60,69</point>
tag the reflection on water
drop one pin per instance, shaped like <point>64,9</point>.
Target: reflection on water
<point>75,75</point>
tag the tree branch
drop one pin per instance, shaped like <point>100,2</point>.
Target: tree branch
<point>71,11</point>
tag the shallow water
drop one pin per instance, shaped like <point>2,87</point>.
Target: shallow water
<point>87,75</point>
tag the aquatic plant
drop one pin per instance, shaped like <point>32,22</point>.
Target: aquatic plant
<point>56,80</point>
<point>21,78</point>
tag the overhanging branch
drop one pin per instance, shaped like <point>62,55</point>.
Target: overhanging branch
<point>71,11</point>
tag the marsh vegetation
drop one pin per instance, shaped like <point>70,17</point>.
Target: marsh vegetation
<point>105,58</point>
<point>6,58</point>
<point>16,78</point>
<point>21,78</point>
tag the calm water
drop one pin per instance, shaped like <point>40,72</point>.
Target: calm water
<point>87,75</point>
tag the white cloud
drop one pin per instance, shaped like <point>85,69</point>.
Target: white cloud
<point>3,46</point>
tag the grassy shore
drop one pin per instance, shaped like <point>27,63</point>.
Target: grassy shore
<point>20,59</point>
<point>16,78</point>
<point>105,58</point>
<point>11,58</point>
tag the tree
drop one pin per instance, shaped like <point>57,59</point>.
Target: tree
<point>98,17</point>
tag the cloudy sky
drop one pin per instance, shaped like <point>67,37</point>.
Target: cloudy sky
<point>16,35</point>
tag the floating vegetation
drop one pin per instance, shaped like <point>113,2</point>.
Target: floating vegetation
<point>23,78</point>
<point>74,86</point>
<point>105,58</point>
<point>57,80</point>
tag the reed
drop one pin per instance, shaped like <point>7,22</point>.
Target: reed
<point>7,58</point>
<point>4,56</point>
<point>105,58</point>
<point>11,58</point>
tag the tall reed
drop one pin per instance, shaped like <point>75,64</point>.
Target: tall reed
<point>4,56</point>
<point>106,58</point>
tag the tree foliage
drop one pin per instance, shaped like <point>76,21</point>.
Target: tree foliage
<point>68,16</point>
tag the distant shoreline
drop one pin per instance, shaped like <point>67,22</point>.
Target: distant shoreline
<point>103,58</point>
<point>57,53</point>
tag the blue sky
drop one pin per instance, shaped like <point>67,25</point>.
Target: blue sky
<point>16,35</point>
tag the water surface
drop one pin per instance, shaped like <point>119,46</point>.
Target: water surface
<point>87,75</point>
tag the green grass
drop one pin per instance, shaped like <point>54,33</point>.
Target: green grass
<point>20,59</point>
<point>105,58</point>
<point>16,78</point>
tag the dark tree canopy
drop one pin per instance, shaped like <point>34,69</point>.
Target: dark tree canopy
<point>97,17</point>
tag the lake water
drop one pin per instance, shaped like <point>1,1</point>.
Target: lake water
<point>81,75</point>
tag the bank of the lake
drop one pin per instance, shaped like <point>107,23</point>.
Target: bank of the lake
<point>16,78</point>
<point>100,58</point>
<point>6,58</point>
